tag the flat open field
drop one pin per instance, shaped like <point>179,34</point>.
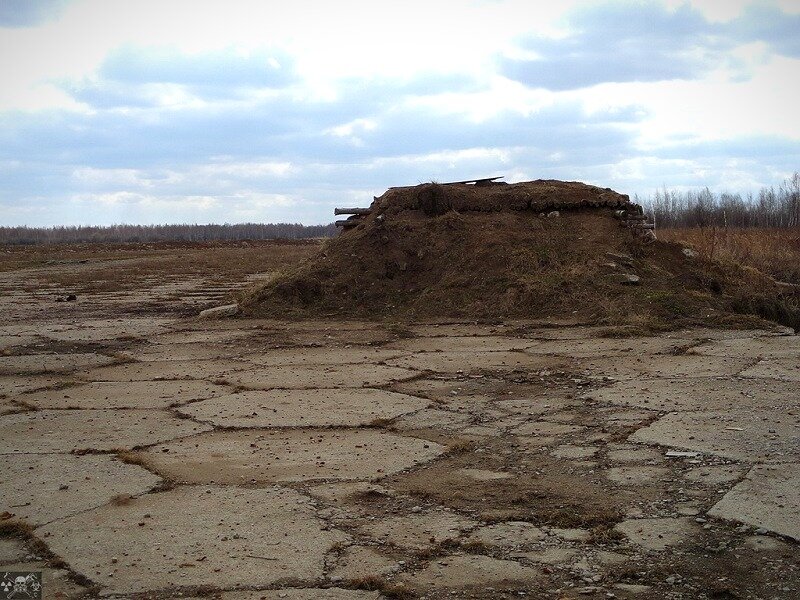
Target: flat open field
<point>146,453</point>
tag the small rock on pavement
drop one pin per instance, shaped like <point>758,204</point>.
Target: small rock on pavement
<point>220,311</point>
<point>689,253</point>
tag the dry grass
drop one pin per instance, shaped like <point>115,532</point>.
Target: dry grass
<point>772,251</point>
<point>89,268</point>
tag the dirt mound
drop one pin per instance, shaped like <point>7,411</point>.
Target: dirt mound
<point>541,249</point>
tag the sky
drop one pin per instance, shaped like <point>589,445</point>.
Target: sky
<point>173,111</point>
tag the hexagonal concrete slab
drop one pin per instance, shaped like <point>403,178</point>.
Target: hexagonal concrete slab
<point>418,530</point>
<point>657,534</point>
<point>767,498</point>
<point>331,376</point>
<point>766,436</point>
<point>507,534</point>
<point>128,394</point>
<point>636,474</point>
<point>303,408</point>
<point>685,366</point>
<point>196,536</point>
<point>106,329</point>
<point>785,369</point>
<point>247,456</point>
<point>12,385</point>
<point>51,363</point>
<point>40,488</point>
<point>167,369</point>
<point>359,562</point>
<point>472,571</point>
<point>72,430</point>
<point>463,343</point>
<point>602,347</point>
<point>454,361</point>
<point>700,393</point>
<point>322,356</point>
<point>775,346</point>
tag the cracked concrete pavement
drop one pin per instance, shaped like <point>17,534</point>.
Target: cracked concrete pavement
<point>263,459</point>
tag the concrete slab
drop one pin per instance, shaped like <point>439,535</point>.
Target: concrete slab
<point>434,418</point>
<point>715,475</point>
<point>602,347</point>
<point>45,487</point>
<point>472,571</point>
<point>169,369</point>
<point>766,436</point>
<point>627,418</point>
<point>162,352</point>
<point>12,385</point>
<point>106,329</point>
<point>784,346</point>
<point>545,428</point>
<point>458,329</point>
<point>634,454</point>
<point>507,535</point>
<point>636,474</point>
<point>570,451</point>
<point>51,363</point>
<point>454,361</point>
<point>303,408</point>
<point>234,457</point>
<point>768,498</point>
<point>11,341</point>
<point>231,537</point>
<point>48,431</point>
<point>785,369</point>
<point>419,530</point>
<point>331,355</point>
<point>128,394</point>
<point>666,366</point>
<point>536,406</point>
<point>700,393</point>
<point>657,534</point>
<point>9,407</point>
<point>346,492</point>
<point>205,336</point>
<point>359,562</point>
<point>462,344</point>
<point>332,376</point>
<point>761,543</point>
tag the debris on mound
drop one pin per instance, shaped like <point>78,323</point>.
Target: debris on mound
<point>532,250</point>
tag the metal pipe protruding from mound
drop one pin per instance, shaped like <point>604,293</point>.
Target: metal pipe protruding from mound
<point>352,211</point>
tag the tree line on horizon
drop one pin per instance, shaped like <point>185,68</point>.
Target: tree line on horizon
<point>770,207</point>
<point>162,233</point>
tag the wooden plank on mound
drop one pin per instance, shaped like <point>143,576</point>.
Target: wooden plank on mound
<point>484,180</point>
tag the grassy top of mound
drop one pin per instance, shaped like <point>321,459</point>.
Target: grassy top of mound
<point>431,252</point>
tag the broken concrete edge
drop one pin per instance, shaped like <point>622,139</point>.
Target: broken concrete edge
<point>219,312</point>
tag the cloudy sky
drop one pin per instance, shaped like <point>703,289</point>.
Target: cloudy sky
<point>202,111</point>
